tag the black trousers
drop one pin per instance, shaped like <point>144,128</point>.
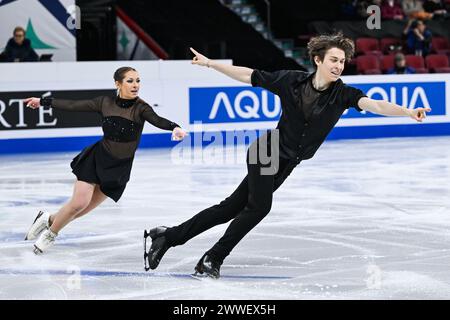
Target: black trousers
<point>246,206</point>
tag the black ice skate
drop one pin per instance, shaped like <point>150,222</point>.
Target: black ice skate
<point>158,248</point>
<point>208,266</point>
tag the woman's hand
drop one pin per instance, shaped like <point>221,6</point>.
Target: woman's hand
<point>33,102</point>
<point>199,59</point>
<point>178,134</point>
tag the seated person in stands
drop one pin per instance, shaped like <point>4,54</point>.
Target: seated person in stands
<point>18,48</point>
<point>348,9</point>
<point>418,39</point>
<point>400,66</point>
<point>391,10</point>
<point>362,5</point>
<point>413,9</point>
<point>436,8</point>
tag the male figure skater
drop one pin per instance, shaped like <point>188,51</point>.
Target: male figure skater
<point>311,106</point>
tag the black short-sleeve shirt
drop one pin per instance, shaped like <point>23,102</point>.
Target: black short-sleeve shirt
<point>308,115</point>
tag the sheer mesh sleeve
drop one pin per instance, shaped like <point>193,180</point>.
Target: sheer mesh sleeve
<point>93,105</point>
<point>150,115</point>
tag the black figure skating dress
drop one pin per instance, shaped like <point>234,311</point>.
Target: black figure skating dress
<point>108,162</point>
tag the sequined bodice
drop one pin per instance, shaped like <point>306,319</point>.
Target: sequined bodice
<point>122,120</point>
<point>119,129</point>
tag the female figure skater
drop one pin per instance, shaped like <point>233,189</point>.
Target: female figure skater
<point>102,169</point>
<point>311,106</point>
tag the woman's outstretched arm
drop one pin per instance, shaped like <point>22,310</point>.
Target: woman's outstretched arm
<point>93,105</point>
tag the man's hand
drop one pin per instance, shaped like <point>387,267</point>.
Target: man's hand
<point>199,59</point>
<point>419,114</point>
<point>242,74</point>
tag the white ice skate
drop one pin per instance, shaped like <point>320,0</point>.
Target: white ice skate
<point>40,224</point>
<point>45,241</point>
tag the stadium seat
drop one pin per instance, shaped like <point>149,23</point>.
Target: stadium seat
<point>366,46</point>
<point>386,43</point>
<point>438,63</point>
<point>387,62</point>
<point>416,62</point>
<point>440,45</point>
<point>368,64</point>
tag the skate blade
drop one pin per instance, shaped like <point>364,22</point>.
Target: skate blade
<point>37,251</point>
<point>146,264</point>
<point>198,276</point>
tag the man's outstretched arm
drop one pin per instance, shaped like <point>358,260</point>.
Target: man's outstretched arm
<point>386,108</point>
<point>242,74</point>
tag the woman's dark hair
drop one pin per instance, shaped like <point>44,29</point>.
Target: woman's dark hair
<point>319,45</point>
<point>119,75</point>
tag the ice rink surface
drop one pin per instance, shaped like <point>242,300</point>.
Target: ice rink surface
<point>364,219</point>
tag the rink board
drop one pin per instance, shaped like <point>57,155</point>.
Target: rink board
<point>199,99</point>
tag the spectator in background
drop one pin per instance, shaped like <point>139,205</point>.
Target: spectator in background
<point>436,8</point>
<point>18,48</point>
<point>362,5</point>
<point>391,10</point>
<point>418,38</point>
<point>361,8</point>
<point>400,66</point>
<point>377,2</point>
<point>413,9</point>
<point>447,5</point>
<point>406,29</point>
<point>348,9</point>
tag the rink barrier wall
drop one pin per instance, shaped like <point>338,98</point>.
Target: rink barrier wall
<point>199,99</point>
<point>162,140</point>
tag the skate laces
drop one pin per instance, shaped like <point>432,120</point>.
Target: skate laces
<point>50,236</point>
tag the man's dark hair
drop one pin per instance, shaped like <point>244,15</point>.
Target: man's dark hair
<point>319,45</point>
<point>18,29</point>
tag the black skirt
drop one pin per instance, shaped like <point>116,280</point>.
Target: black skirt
<point>95,165</point>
